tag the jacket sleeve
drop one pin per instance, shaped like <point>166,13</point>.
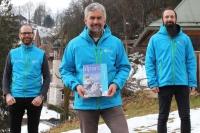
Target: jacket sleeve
<point>6,81</point>
<point>150,65</point>
<point>191,65</point>
<point>46,76</point>
<point>67,69</point>
<point>123,67</point>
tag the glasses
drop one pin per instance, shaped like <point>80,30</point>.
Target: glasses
<point>26,33</point>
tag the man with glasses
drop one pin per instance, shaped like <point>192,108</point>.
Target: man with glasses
<point>25,82</point>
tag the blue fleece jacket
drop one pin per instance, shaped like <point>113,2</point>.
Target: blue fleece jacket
<point>170,61</point>
<point>82,50</point>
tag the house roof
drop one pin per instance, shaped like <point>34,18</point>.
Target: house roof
<point>188,14</point>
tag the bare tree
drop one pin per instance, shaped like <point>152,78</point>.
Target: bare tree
<point>127,18</point>
<point>28,8</point>
<point>39,14</point>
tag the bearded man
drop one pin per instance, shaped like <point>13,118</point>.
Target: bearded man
<point>171,70</point>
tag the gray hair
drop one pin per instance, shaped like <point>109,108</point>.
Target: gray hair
<point>94,7</point>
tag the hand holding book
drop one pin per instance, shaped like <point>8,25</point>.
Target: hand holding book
<point>80,90</point>
<point>112,90</point>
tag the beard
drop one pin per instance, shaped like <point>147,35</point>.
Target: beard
<point>95,30</point>
<point>27,41</point>
<point>172,29</point>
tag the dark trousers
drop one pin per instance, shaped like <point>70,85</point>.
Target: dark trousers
<point>113,117</point>
<point>17,111</point>
<point>181,94</point>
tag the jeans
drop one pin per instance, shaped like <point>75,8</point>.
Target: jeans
<point>17,111</point>
<point>181,94</point>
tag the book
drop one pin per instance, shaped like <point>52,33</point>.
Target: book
<point>95,80</point>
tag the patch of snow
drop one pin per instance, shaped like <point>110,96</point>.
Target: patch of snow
<point>47,114</point>
<point>140,73</point>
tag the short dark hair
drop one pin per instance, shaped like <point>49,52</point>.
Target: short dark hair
<point>28,25</point>
<point>169,8</point>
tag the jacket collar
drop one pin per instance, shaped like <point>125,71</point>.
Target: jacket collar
<point>30,46</point>
<point>85,33</point>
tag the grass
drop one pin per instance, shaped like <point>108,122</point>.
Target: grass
<point>68,125</point>
<point>136,105</point>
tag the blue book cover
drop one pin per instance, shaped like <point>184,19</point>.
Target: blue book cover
<point>95,80</point>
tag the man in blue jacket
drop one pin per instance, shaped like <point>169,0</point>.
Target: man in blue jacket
<point>25,82</point>
<point>171,70</point>
<point>96,45</point>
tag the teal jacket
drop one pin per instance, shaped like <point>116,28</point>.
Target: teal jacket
<point>26,72</point>
<point>82,50</point>
<point>170,61</point>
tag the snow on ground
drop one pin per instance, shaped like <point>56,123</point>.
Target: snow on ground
<point>140,73</point>
<point>46,114</point>
<point>149,122</point>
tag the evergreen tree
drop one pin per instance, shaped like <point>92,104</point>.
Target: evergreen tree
<point>48,21</point>
<point>8,36</point>
<point>39,14</point>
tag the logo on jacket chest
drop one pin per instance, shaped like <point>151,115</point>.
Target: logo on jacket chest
<point>34,61</point>
<point>107,50</point>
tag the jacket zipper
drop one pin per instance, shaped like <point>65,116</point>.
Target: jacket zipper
<point>27,63</point>
<point>25,67</point>
<point>173,56</point>
<point>98,60</point>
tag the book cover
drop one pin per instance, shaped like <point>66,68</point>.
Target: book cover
<point>95,80</point>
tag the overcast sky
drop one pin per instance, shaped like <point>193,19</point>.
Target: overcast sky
<point>54,5</point>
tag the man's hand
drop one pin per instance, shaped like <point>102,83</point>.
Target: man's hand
<point>155,89</point>
<point>10,100</point>
<point>80,90</point>
<point>37,101</point>
<point>192,90</point>
<point>112,90</point>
